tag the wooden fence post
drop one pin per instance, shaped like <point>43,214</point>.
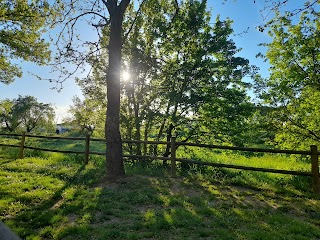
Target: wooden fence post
<point>87,150</point>
<point>173,156</point>
<point>23,139</point>
<point>315,169</point>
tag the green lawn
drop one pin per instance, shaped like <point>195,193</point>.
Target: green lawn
<point>53,196</point>
<point>58,198</point>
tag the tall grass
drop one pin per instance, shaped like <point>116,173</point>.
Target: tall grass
<point>258,180</point>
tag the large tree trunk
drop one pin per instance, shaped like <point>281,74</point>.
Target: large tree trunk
<point>114,159</point>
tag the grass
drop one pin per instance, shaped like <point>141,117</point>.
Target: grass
<point>53,196</point>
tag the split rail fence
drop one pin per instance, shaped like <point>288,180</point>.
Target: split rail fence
<point>313,153</point>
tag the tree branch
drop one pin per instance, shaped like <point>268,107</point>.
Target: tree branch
<point>123,6</point>
<point>312,133</point>
<point>134,21</point>
<point>110,4</point>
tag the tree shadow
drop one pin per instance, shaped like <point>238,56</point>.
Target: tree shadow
<point>160,207</point>
<point>181,208</point>
<point>279,183</point>
<point>38,214</point>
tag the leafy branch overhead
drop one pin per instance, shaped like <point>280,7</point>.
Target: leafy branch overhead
<point>283,6</point>
<point>76,49</point>
<point>293,86</point>
<point>22,25</point>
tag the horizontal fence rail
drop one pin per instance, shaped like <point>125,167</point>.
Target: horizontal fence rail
<point>54,137</point>
<point>8,145</point>
<point>314,153</point>
<point>246,149</point>
<point>54,150</point>
<point>147,157</point>
<point>290,172</point>
<point>10,134</point>
<point>147,142</point>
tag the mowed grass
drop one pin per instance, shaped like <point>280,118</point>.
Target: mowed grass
<point>54,196</point>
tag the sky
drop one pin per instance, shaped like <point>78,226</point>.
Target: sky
<point>245,14</point>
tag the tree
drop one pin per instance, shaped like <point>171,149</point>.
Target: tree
<point>293,87</point>
<point>7,118</point>
<point>111,14</point>
<point>299,121</point>
<point>88,114</point>
<point>22,25</point>
<point>208,77</point>
<point>70,54</point>
<point>114,161</point>
<point>175,81</point>
<point>27,114</point>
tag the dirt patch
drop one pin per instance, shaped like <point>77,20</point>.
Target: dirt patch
<point>72,217</point>
<point>111,184</point>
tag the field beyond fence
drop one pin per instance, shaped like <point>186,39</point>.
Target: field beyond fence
<point>313,153</point>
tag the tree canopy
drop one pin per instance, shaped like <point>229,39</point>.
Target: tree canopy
<point>293,86</point>
<point>22,24</point>
<point>25,113</point>
<point>185,77</point>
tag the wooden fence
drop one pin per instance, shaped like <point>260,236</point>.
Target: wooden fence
<point>313,153</point>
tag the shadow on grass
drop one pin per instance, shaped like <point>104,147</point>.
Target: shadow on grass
<point>279,183</point>
<point>140,207</point>
<point>6,161</point>
<point>155,206</point>
<point>39,191</point>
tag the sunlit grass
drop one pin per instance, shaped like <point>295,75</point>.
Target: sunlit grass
<point>258,180</point>
<point>264,160</point>
<point>45,200</point>
<point>54,196</point>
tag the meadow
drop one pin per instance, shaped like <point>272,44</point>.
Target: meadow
<point>55,196</point>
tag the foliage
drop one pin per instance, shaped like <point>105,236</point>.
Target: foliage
<point>175,83</point>
<point>291,10</point>
<point>27,114</point>
<point>207,80</point>
<point>88,115</point>
<point>300,121</point>
<point>22,25</point>
<point>293,87</point>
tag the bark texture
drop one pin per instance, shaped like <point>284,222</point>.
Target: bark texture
<point>114,158</point>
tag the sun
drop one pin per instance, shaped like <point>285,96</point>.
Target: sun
<point>125,76</point>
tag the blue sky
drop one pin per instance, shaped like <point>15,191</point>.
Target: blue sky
<point>245,14</point>
<point>246,17</point>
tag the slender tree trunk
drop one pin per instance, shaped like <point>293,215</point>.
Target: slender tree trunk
<point>146,131</point>
<point>169,131</point>
<point>114,159</point>
<point>129,125</point>
<point>137,124</point>
<point>169,135</point>
<point>138,135</point>
<point>163,124</point>
<point>136,90</point>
